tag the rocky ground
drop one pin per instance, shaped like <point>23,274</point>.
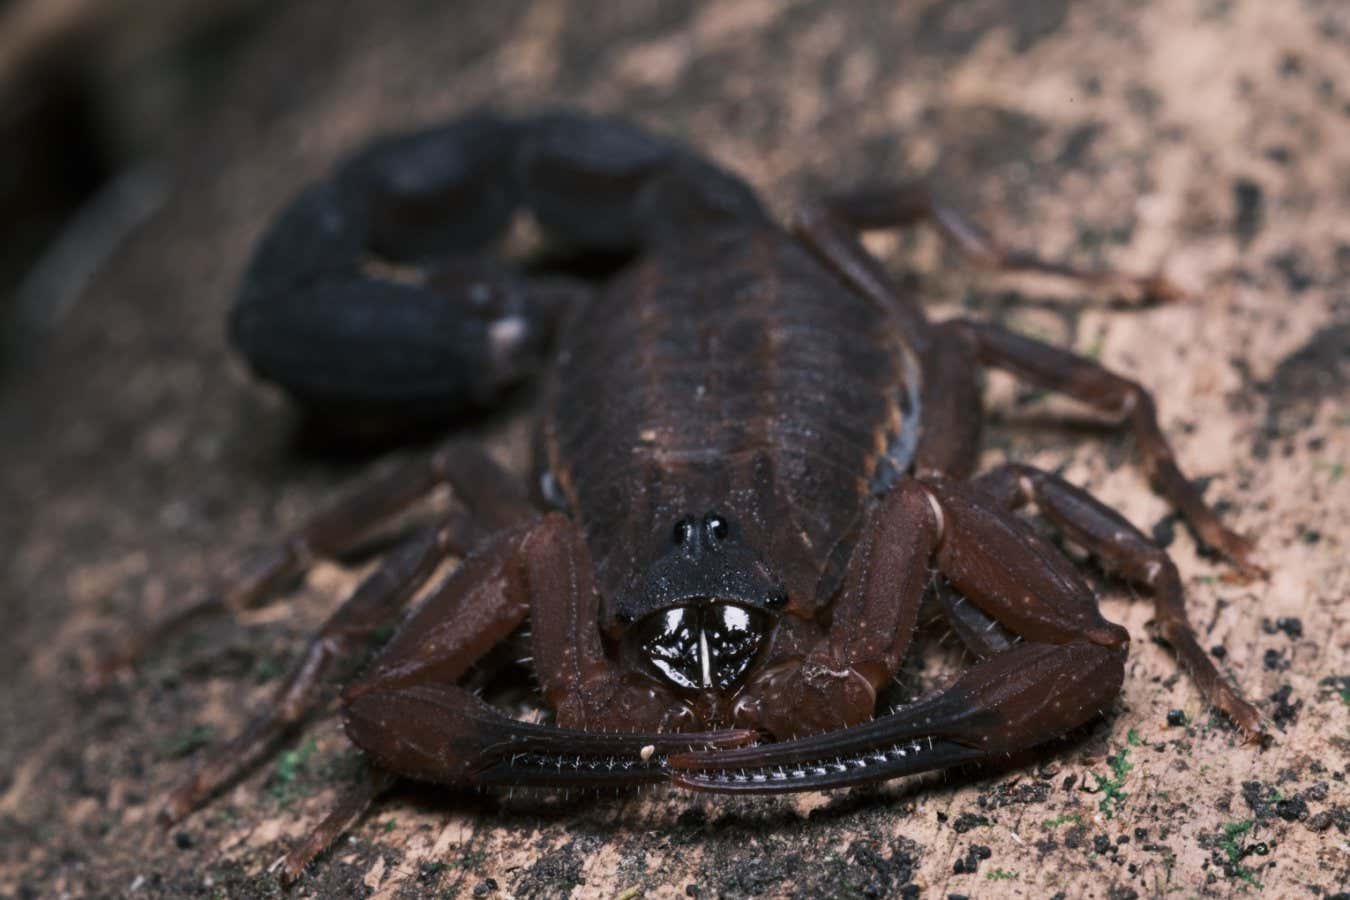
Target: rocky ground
<point>1207,138</point>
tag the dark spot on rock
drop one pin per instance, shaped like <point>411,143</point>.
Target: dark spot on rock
<point>970,863</point>
<point>1176,718</point>
<point>1102,844</point>
<point>1260,799</point>
<point>556,874</point>
<point>954,27</point>
<point>1294,268</point>
<point>1016,792</point>
<point>979,139</point>
<point>1143,101</point>
<point>692,818</point>
<point>874,874</point>
<point>1164,531</point>
<point>1292,810</point>
<point>1319,369</point>
<point>1317,793</point>
<point>1077,145</point>
<point>1218,651</point>
<point>1290,625</point>
<point>1122,893</point>
<point>1249,202</point>
<point>182,840</point>
<point>967,821</point>
<point>1274,660</point>
<point>1279,154</point>
<point>1335,685</point>
<point>1285,713</point>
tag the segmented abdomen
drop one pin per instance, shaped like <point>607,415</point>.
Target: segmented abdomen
<point>732,373</point>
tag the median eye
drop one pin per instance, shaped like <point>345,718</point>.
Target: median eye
<point>716,527</point>
<point>684,530</point>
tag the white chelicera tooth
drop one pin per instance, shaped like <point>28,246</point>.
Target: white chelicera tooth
<point>705,658</point>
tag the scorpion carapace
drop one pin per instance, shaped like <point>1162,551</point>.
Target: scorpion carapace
<point>756,466</point>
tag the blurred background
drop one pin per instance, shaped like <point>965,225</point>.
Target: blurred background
<point>146,144</point>
<point>92,96</point>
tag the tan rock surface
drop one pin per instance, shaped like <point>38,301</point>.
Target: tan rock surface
<point>1211,139</point>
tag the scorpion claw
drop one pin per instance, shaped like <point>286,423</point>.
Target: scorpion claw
<point>443,734</point>
<point>853,756</point>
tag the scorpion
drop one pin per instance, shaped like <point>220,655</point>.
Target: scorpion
<point>756,474</point>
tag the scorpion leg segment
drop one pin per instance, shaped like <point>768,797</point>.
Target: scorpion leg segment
<point>351,806</point>
<point>1082,379</point>
<point>494,498</point>
<point>348,338</point>
<point>1067,666</point>
<point>1123,548</point>
<point>901,205</point>
<point>980,633</point>
<point>371,606</point>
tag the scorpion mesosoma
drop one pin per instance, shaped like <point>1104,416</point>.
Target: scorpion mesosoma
<point>757,461</point>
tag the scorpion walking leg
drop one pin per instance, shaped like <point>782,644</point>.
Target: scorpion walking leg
<point>348,810</point>
<point>372,606</point>
<point>1084,380</point>
<point>494,497</point>
<point>894,206</point>
<point>1067,666</point>
<point>1123,548</point>
<point>980,633</point>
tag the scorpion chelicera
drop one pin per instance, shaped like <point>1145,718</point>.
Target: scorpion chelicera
<point>756,468</point>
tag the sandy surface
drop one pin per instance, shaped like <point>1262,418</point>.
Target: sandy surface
<point>1208,138</point>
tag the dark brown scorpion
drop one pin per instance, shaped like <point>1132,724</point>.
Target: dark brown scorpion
<point>756,460</point>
